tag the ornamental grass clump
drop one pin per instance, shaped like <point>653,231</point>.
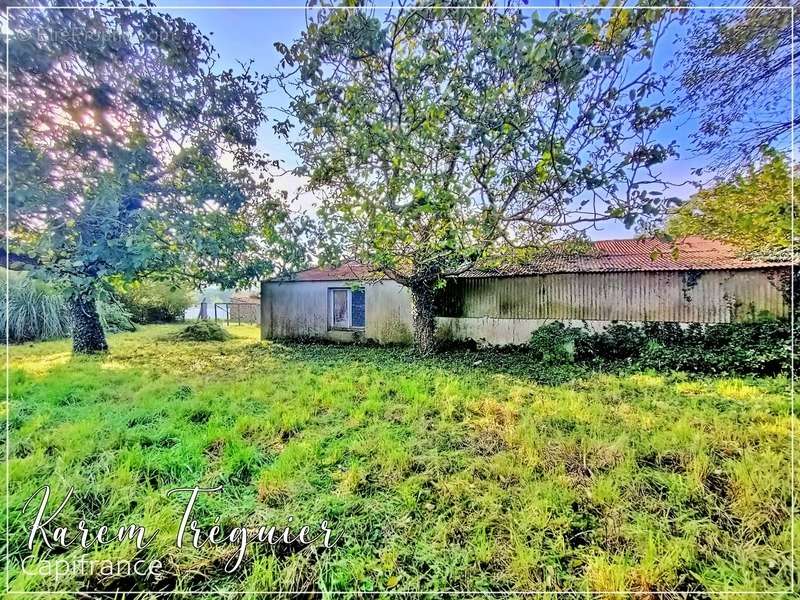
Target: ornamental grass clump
<point>39,310</point>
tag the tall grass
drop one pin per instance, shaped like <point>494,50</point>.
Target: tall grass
<point>435,474</point>
<point>38,310</point>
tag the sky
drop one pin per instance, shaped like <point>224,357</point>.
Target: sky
<point>248,31</point>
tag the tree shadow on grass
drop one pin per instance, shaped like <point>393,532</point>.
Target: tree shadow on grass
<point>519,363</point>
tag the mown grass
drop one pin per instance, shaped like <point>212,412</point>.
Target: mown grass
<point>453,473</point>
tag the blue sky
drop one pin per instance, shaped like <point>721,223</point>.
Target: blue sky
<point>244,34</point>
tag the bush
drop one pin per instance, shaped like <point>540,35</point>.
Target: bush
<point>39,311</point>
<point>151,301</point>
<point>618,343</point>
<point>755,347</point>
<point>203,331</point>
<point>759,347</point>
<point>554,343</point>
<point>114,317</point>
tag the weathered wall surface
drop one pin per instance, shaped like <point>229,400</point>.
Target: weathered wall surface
<point>389,313</point>
<point>242,312</point>
<point>489,331</point>
<point>500,311</point>
<point>684,297</point>
<point>300,309</point>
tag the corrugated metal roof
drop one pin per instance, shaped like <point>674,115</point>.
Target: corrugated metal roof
<point>606,256</point>
<point>647,254</point>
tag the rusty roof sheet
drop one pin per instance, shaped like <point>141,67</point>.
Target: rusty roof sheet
<point>646,254</point>
<point>605,256</point>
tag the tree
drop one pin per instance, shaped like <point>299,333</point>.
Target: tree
<point>435,136</point>
<point>154,301</point>
<point>737,67</point>
<point>132,154</point>
<point>751,211</point>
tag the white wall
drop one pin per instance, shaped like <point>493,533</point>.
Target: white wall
<point>300,309</point>
<point>488,331</point>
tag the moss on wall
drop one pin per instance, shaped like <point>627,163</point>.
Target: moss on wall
<point>445,333</point>
<point>395,331</point>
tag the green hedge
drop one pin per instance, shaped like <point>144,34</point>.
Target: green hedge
<point>758,347</point>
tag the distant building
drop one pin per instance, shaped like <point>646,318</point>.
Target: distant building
<point>239,306</point>
<point>694,281</point>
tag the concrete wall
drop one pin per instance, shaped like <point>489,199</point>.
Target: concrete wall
<point>296,309</point>
<point>488,331</point>
<point>501,311</point>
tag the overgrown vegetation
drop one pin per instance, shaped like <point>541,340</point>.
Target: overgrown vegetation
<point>435,138</point>
<point>152,301</point>
<point>38,310</point>
<point>454,472</point>
<point>751,211</point>
<point>758,347</point>
<point>202,331</point>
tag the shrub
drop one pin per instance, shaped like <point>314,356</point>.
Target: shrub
<point>203,331</point>
<point>152,301</point>
<point>618,343</point>
<point>114,317</point>
<point>554,343</point>
<point>39,311</point>
<point>759,347</point>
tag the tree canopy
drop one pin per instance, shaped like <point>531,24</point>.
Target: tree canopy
<point>436,136</point>
<point>736,78</point>
<point>751,211</point>
<point>132,153</point>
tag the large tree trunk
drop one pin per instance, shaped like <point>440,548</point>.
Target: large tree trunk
<point>423,317</point>
<point>88,336</point>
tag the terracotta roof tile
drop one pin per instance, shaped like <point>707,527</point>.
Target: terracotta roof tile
<point>349,271</point>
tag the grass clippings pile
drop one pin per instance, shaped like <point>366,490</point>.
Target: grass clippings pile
<point>202,331</point>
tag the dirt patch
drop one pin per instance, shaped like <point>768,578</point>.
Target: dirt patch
<point>486,442</point>
<point>215,448</point>
<point>673,463</point>
<point>582,463</point>
<point>718,483</point>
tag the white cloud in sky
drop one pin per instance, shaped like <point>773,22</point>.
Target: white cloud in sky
<point>293,184</point>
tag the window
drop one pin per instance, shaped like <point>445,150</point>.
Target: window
<point>346,308</point>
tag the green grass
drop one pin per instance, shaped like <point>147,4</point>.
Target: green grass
<point>440,474</point>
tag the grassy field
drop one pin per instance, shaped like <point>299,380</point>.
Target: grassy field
<point>454,473</point>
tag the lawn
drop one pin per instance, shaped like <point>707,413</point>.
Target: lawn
<point>453,473</point>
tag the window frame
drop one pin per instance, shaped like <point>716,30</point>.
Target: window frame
<point>349,326</point>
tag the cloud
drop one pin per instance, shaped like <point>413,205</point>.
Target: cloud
<point>293,185</point>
